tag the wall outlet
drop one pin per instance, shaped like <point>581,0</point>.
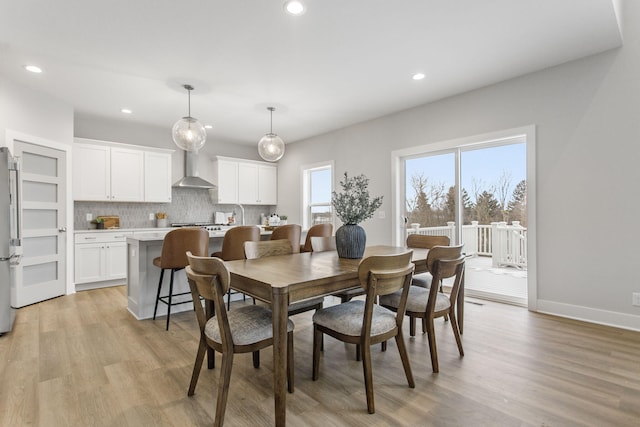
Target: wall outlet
<point>635,299</point>
<point>151,216</point>
<point>89,217</point>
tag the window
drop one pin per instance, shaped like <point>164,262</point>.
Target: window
<point>317,184</point>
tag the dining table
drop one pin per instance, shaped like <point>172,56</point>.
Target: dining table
<point>285,279</point>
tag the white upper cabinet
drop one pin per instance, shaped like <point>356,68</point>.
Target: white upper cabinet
<point>91,172</point>
<point>157,177</point>
<point>127,175</point>
<point>245,181</point>
<point>106,171</point>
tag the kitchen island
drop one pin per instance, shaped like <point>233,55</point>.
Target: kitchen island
<point>143,276</point>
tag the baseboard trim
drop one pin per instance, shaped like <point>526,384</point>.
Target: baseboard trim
<point>591,315</point>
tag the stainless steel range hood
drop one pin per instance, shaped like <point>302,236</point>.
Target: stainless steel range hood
<point>191,179</point>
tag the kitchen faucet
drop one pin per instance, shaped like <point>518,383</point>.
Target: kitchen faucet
<point>241,210</point>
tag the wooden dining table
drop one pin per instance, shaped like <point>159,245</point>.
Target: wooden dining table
<point>283,280</point>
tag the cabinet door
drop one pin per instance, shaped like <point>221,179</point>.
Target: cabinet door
<point>89,262</point>
<point>227,181</point>
<point>267,185</point>
<point>127,175</point>
<point>248,183</point>
<point>91,172</point>
<point>115,260</point>
<point>157,177</point>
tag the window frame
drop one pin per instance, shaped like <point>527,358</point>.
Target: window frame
<point>307,205</point>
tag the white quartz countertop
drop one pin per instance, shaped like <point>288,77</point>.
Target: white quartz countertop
<point>125,230</point>
<point>158,234</point>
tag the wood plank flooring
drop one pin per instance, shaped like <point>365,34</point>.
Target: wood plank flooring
<point>83,360</point>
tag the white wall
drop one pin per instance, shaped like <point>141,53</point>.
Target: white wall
<point>130,132</point>
<point>586,114</point>
<point>34,113</point>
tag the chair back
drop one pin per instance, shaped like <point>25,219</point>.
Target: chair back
<point>444,268</point>
<point>264,248</point>
<point>442,252</point>
<point>209,278</point>
<point>234,238</point>
<point>292,232</point>
<point>382,275</point>
<point>177,242</point>
<point>323,244</point>
<point>318,230</point>
<point>426,242</point>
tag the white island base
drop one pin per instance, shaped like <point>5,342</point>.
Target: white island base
<point>143,276</point>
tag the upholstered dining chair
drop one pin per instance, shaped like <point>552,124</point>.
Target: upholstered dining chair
<point>246,329</point>
<point>173,257</point>
<point>291,232</point>
<point>318,230</point>
<point>444,262</point>
<point>366,323</point>
<point>266,248</point>
<point>233,248</point>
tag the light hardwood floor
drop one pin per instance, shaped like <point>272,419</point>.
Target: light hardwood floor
<point>83,360</point>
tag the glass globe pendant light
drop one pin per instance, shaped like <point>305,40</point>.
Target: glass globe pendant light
<point>271,146</point>
<point>188,133</point>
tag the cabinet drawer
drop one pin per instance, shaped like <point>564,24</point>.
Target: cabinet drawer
<point>104,237</point>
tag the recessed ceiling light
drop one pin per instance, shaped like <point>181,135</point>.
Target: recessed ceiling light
<point>126,111</point>
<point>418,76</point>
<point>208,127</point>
<point>294,7</point>
<point>33,68</point>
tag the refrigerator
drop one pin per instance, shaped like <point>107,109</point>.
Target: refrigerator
<point>10,238</point>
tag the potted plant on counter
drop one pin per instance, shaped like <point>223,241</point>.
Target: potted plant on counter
<point>99,222</point>
<point>353,205</point>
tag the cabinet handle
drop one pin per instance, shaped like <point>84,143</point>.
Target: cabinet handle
<point>89,238</point>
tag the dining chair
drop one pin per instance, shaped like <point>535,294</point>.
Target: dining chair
<point>233,248</point>
<point>431,303</point>
<point>291,232</point>
<point>318,230</point>
<point>425,242</point>
<point>173,257</point>
<point>365,322</point>
<point>246,329</point>
<point>266,248</point>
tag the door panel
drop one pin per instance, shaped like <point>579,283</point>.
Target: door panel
<point>42,273</point>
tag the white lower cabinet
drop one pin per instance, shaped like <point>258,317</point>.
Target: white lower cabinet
<point>100,257</point>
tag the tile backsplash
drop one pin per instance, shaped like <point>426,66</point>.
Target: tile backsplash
<point>187,205</point>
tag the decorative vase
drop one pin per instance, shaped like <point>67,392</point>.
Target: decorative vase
<point>350,241</point>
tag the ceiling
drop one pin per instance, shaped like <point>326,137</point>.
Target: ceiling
<point>340,63</point>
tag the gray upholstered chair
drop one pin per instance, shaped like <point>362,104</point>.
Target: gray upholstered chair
<point>245,329</point>
<point>366,323</point>
<point>431,303</point>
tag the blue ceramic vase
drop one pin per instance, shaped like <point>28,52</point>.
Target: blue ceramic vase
<point>350,241</point>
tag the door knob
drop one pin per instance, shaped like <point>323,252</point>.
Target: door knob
<point>62,229</point>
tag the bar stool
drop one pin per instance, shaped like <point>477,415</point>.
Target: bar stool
<point>173,257</point>
<point>233,248</point>
<point>318,230</point>
<point>291,232</point>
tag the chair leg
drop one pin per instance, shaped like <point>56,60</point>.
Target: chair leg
<point>229,299</point>
<point>412,326</point>
<point>223,387</point>
<point>368,377</point>
<point>383,346</point>
<point>456,332</point>
<point>170,295</point>
<point>317,343</point>
<point>197,366</point>
<point>424,325</point>
<point>290,366</point>
<point>404,356</point>
<point>155,309</point>
<point>358,353</point>
<point>431,334</point>
<point>256,359</point>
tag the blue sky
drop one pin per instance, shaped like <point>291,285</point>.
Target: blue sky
<point>484,165</point>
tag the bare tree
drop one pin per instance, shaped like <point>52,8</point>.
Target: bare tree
<point>502,192</point>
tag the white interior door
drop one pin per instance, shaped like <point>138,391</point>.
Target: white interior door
<point>42,273</point>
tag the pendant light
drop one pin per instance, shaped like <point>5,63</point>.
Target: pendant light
<point>271,146</point>
<point>188,133</point>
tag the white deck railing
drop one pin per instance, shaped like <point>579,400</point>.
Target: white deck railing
<point>506,244</point>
